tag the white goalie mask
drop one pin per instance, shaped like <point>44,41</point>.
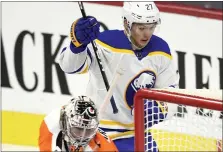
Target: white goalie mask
<point>81,121</point>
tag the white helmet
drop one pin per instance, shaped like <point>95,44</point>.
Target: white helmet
<point>140,12</point>
<point>80,121</point>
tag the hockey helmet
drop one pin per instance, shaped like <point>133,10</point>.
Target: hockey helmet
<point>140,12</point>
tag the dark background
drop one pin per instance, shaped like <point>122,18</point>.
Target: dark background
<point>204,4</point>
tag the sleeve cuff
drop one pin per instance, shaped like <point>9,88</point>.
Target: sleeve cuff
<point>77,50</point>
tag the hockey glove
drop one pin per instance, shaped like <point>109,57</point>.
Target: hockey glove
<point>84,30</point>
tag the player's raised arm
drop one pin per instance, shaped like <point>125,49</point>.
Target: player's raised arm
<point>76,57</point>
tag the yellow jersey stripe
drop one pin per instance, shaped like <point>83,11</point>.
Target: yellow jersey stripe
<point>130,51</point>
<point>114,49</point>
<point>85,70</point>
<point>116,123</point>
<point>122,134</point>
<point>160,53</point>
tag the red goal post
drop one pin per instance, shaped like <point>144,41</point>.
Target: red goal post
<point>200,98</point>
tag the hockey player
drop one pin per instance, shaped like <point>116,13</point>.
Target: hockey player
<point>145,57</point>
<point>74,127</point>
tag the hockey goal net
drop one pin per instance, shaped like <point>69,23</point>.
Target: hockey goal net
<point>178,120</point>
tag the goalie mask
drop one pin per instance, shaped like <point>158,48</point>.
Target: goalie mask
<point>80,121</point>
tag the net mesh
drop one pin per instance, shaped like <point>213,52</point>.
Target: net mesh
<point>173,127</point>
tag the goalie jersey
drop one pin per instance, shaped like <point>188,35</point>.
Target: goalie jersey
<point>50,137</point>
<point>151,67</point>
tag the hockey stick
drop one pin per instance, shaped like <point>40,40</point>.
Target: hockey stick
<point>108,96</point>
<point>113,104</point>
<point>119,73</point>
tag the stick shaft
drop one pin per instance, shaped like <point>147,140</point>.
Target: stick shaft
<point>112,101</point>
<point>110,92</point>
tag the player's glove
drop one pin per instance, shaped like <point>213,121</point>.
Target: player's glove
<point>84,30</point>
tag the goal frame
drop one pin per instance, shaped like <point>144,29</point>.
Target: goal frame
<point>166,96</point>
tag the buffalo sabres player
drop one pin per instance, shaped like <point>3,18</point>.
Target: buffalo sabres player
<point>74,127</point>
<point>145,57</point>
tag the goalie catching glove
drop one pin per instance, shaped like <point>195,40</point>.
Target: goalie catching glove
<point>84,30</point>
